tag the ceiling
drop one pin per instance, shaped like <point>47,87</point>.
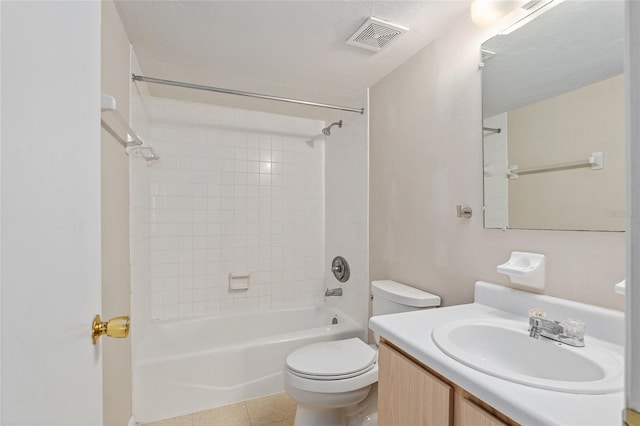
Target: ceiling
<point>293,49</point>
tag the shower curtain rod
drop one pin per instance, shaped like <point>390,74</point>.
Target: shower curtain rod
<point>241,93</point>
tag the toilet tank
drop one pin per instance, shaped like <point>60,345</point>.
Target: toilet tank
<point>390,297</point>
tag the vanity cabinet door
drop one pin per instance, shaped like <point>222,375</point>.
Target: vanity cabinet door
<point>408,395</point>
<point>468,413</point>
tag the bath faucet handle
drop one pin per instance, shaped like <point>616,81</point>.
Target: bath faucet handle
<point>340,269</point>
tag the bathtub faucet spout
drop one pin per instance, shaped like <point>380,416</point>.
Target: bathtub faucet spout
<point>333,292</point>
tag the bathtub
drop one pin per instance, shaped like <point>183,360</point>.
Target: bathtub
<point>190,365</point>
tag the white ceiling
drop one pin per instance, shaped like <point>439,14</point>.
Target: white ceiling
<point>293,49</point>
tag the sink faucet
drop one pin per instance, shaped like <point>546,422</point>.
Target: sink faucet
<point>333,292</point>
<point>570,333</point>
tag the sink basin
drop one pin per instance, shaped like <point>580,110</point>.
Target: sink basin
<point>503,348</point>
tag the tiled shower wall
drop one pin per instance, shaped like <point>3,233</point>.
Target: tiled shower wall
<point>236,191</point>
<point>347,202</point>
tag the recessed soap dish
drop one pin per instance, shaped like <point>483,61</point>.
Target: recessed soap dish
<point>525,268</point>
<point>239,280</point>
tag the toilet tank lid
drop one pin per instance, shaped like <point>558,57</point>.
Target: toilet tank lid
<point>402,293</point>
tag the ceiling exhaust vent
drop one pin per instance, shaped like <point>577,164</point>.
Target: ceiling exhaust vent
<point>376,34</point>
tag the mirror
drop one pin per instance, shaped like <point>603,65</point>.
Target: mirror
<point>554,120</point>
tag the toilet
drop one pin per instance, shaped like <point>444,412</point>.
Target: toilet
<point>335,383</point>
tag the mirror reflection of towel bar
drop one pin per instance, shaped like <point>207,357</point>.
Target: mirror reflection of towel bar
<point>595,162</point>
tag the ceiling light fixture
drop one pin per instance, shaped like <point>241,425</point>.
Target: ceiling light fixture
<point>484,12</point>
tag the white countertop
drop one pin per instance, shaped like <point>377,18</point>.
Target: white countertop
<point>527,405</point>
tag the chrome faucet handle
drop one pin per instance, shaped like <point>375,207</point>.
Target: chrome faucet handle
<point>536,315</point>
<point>535,326</point>
<point>574,328</point>
<point>340,269</point>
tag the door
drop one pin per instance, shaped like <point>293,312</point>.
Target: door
<point>50,212</point>
<point>632,298</point>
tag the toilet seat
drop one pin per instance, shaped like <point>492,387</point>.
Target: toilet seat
<point>334,360</point>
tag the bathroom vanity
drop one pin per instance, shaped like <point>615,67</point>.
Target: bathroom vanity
<point>514,379</point>
<point>410,393</point>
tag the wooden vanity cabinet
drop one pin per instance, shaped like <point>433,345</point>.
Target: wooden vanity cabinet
<point>470,411</point>
<point>410,394</point>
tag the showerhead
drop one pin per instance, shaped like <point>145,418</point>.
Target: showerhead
<point>327,130</point>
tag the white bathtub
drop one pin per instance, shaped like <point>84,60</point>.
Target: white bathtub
<point>185,366</point>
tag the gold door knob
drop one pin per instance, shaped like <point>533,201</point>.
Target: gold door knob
<point>115,327</point>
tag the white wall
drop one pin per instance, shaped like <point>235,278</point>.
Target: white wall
<point>347,207</point>
<point>140,214</point>
<point>236,191</point>
<point>632,83</point>
<point>0,220</point>
<point>51,373</point>
<point>116,279</point>
<point>426,157</point>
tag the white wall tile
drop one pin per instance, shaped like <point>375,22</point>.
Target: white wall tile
<point>347,187</point>
<point>221,204</point>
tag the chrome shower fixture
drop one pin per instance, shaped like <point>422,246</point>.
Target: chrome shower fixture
<point>327,130</point>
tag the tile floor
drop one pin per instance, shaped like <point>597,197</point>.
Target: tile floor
<point>272,410</point>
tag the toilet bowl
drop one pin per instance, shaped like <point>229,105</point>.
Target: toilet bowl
<point>335,383</point>
<point>325,378</point>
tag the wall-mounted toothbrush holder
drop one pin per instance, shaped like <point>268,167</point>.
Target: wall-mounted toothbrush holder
<point>525,268</point>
